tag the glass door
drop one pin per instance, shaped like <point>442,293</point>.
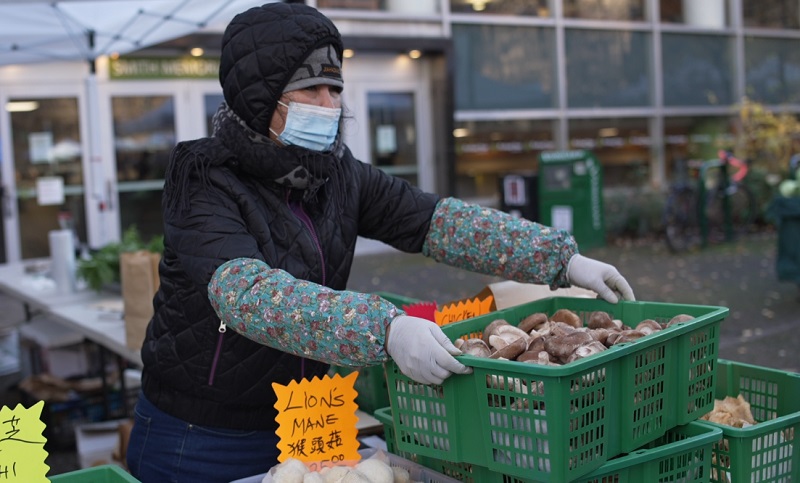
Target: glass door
<point>48,171</point>
<point>144,135</point>
<point>393,133</point>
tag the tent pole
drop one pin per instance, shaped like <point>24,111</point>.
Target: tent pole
<point>99,202</point>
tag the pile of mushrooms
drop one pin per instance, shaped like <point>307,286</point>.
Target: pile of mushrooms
<point>559,339</point>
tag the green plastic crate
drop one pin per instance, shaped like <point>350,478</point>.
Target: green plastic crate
<point>371,381</point>
<point>561,423</point>
<point>682,454</point>
<point>96,474</point>
<point>764,451</point>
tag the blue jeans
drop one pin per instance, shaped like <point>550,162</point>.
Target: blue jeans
<point>163,449</point>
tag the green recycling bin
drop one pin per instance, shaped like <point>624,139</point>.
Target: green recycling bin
<point>571,195</point>
<point>785,212</point>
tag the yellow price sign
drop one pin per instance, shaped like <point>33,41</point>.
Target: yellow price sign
<point>22,454</point>
<point>463,310</point>
<point>317,420</point>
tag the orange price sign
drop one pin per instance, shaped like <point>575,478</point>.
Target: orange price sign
<point>463,310</point>
<point>317,420</point>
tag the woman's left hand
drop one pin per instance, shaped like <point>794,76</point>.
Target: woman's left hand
<point>600,277</point>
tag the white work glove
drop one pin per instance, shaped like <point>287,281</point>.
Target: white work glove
<point>422,351</point>
<point>600,277</point>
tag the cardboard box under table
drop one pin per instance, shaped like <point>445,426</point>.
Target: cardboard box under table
<point>682,454</point>
<point>765,450</point>
<point>560,423</point>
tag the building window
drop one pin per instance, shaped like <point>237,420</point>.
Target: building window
<point>486,150</point>
<point>622,145</point>
<point>779,14</point>
<point>144,135</point>
<point>704,13</point>
<point>393,133</point>
<point>607,69</point>
<point>410,7</point>
<point>502,67</point>
<point>772,70</point>
<point>698,70</point>
<point>534,8</point>
<point>605,9</point>
<point>696,138</point>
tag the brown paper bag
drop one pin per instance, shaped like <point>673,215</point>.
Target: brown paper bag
<point>139,279</point>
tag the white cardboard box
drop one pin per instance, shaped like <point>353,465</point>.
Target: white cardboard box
<point>60,349</point>
<point>96,443</point>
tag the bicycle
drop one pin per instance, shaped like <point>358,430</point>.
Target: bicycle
<point>681,217</point>
<point>716,206</point>
<point>731,208</point>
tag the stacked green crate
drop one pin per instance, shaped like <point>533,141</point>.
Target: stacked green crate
<point>97,474</point>
<point>682,454</point>
<point>562,423</point>
<point>765,450</point>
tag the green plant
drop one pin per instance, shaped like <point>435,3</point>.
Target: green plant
<point>101,268</point>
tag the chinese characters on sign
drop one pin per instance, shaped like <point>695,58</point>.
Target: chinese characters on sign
<point>22,454</point>
<point>317,420</point>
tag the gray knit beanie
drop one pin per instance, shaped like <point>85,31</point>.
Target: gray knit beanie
<point>321,67</point>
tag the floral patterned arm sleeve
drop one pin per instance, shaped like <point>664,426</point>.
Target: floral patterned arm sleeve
<point>273,308</point>
<point>491,242</point>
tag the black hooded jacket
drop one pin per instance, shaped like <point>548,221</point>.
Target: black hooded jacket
<point>228,197</point>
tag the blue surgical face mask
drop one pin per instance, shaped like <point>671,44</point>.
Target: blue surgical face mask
<point>308,126</point>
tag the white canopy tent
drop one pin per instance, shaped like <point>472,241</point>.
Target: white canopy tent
<point>43,31</point>
<point>53,30</point>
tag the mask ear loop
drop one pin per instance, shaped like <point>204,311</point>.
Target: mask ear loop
<point>276,137</point>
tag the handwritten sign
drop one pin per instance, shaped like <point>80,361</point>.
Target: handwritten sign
<point>463,310</point>
<point>22,454</point>
<point>317,420</point>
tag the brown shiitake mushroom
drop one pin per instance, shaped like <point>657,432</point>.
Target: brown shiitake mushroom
<point>511,331</point>
<point>678,319</point>
<point>624,336</point>
<point>474,347</point>
<point>535,342</point>
<point>541,358</point>
<point>600,335</point>
<point>510,350</point>
<point>568,317</point>
<point>492,327</point>
<point>533,322</point>
<point>562,346</point>
<point>648,326</point>
<point>601,320</point>
<point>586,350</point>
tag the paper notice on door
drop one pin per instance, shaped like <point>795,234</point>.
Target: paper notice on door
<point>50,190</point>
<point>562,217</point>
<point>40,144</point>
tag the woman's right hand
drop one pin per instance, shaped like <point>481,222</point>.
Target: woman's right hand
<point>422,351</point>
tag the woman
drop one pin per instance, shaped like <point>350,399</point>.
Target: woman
<point>261,223</point>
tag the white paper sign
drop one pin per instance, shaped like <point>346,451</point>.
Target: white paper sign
<point>386,139</point>
<point>562,217</point>
<point>50,190</point>
<point>514,190</point>
<point>40,145</point>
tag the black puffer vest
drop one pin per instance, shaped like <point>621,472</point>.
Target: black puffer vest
<point>222,201</point>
